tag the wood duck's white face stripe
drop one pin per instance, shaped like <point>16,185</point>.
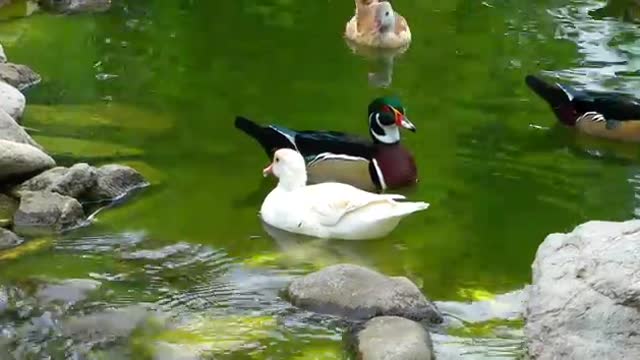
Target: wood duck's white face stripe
<point>591,116</point>
<point>291,139</point>
<point>383,184</point>
<point>331,156</point>
<point>390,133</point>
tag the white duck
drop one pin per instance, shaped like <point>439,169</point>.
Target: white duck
<point>377,25</point>
<point>328,210</point>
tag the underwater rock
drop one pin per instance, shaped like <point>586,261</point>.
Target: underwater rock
<point>18,76</point>
<point>8,207</point>
<point>46,211</point>
<point>10,130</point>
<point>75,6</point>
<point>115,181</point>
<point>359,293</point>
<point>392,338</point>
<point>12,101</point>
<point>75,181</point>
<point>158,254</point>
<point>17,160</point>
<point>8,239</point>
<point>69,291</point>
<point>585,299</point>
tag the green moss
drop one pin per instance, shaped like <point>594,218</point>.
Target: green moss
<point>84,149</point>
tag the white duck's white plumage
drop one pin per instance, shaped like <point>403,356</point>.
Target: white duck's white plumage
<point>328,210</point>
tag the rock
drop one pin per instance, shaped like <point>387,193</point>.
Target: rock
<point>76,6</point>
<point>585,299</point>
<point>11,100</point>
<point>107,325</point>
<point>3,56</point>
<point>68,291</point>
<point>392,338</point>
<point>158,254</point>
<point>115,181</point>
<point>44,181</point>
<point>18,76</point>
<point>75,181</point>
<point>17,160</point>
<point>8,207</point>
<point>10,130</point>
<point>8,239</point>
<point>46,211</point>
<point>359,293</point>
<point>509,306</point>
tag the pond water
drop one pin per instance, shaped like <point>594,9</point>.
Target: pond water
<point>157,84</point>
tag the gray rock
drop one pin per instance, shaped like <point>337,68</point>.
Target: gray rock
<point>359,293</point>
<point>393,338</point>
<point>76,6</point>
<point>107,325</point>
<point>3,56</point>
<point>75,181</point>
<point>45,211</point>
<point>115,181</point>
<point>17,160</point>
<point>8,239</point>
<point>11,131</point>
<point>158,254</point>
<point>69,291</point>
<point>8,207</point>
<point>585,299</point>
<point>18,76</point>
<point>12,101</point>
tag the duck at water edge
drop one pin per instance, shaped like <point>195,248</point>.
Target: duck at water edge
<point>612,116</point>
<point>376,24</point>
<point>374,165</point>
<point>328,210</point>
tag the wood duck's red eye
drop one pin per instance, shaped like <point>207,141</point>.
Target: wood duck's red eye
<point>385,108</point>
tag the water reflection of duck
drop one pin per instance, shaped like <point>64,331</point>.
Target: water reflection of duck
<point>376,24</point>
<point>328,210</point>
<point>381,60</point>
<point>607,115</point>
<point>380,164</point>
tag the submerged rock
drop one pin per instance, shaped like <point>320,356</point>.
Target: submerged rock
<point>585,299</point>
<point>11,131</point>
<point>69,291</point>
<point>158,254</point>
<point>392,338</point>
<point>17,160</point>
<point>107,325</point>
<point>8,239</point>
<point>76,6</point>
<point>12,101</point>
<point>18,76</point>
<point>45,211</point>
<point>8,207</point>
<point>359,293</point>
<point>115,181</point>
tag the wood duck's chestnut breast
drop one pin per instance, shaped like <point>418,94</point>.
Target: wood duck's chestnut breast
<point>397,166</point>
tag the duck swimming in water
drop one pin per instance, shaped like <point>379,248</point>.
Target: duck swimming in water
<point>376,24</point>
<point>612,115</point>
<point>378,164</point>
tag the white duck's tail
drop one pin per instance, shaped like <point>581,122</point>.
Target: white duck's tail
<point>401,209</point>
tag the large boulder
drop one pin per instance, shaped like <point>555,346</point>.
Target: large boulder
<point>75,181</point>
<point>585,299</point>
<point>10,130</point>
<point>76,6</point>
<point>17,160</point>
<point>18,76</point>
<point>12,101</point>
<point>114,181</point>
<point>356,292</point>
<point>46,211</point>
<point>392,338</point>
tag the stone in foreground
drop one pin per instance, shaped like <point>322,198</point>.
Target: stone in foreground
<point>356,292</point>
<point>392,338</point>
<point>46,211</point>
<point>17,160</point>
<point>585,299</point>
<point>75,181</point>
<point>11,100</point>
<point>115,181</point>
<point>18,76</point>
<point>8,239</point>
<point>11,131</point>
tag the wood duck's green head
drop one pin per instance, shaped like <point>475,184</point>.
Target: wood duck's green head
<point>386,116</point>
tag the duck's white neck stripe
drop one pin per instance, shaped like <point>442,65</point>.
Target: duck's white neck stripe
<point>383,184</point>
<point>391,132</point>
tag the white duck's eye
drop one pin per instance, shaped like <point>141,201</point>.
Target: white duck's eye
<point>386,14</point>
<point>277,160</point>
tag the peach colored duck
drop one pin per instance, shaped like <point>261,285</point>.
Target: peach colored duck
<point>376,24</point>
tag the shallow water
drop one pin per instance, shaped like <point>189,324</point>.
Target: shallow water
<point>157,84</point>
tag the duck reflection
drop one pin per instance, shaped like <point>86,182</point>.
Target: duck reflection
<point>381,62</point>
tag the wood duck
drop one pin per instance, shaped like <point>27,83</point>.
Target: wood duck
<point>607,115</point>
<point>376,24</point>
<point>378,164</point>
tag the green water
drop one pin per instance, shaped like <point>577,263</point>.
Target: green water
<point>498,173</point>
